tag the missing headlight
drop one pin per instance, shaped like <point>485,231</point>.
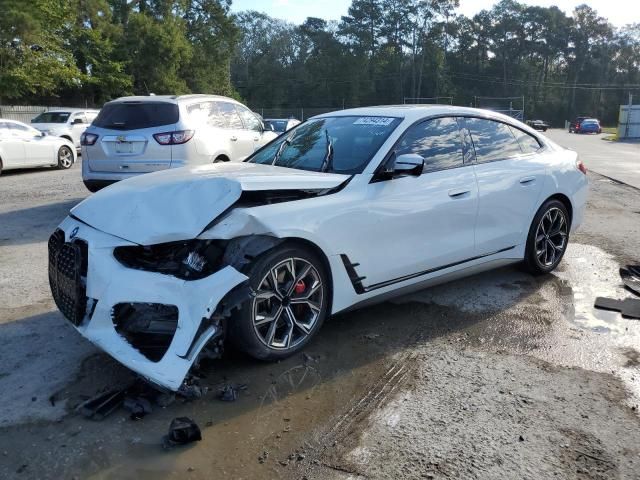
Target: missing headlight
<point>188,260</point>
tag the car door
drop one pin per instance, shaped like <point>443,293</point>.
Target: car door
<point>253,125</point>
<point>78,124</point>
<point>37,149</point>
<point>241,140</point>
<point>12,149</point>
<point>510,175</point>
<point>413,225</point>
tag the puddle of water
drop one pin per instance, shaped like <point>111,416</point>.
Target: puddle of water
<point>590,272</point>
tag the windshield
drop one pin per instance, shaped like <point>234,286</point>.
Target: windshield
<point>52,117</point>
<point>329,144</point>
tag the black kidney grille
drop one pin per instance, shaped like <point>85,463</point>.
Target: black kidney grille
<point>66,262</point>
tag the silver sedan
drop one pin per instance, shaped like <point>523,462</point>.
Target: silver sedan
<point>22,146</point>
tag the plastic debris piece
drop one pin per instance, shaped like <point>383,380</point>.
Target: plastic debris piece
<point>631,278</point>
<point>101,406</point>
<point>182,431</point>
<point>629,307</point>
<point>138,406</point>
<point>229,393</point>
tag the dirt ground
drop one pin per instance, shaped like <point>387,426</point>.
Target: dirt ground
<point>501,375</point>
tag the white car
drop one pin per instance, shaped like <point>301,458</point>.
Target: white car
<point>349,208</point>
<point>134,135</point>
<point>69,123</point>
<point>22,146</point>
<point>281,125</point>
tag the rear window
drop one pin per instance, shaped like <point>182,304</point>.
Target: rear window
<point>134,116</point>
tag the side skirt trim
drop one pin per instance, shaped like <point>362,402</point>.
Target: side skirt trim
<point>356,280</point>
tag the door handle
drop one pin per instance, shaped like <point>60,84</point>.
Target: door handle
<point>459,192</point>
<point>527,180</point>
<point>234,139</point>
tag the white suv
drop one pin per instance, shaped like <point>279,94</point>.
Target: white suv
<point>134,135</point>
<point>69,123</point>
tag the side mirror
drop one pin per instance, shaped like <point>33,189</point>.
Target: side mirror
<point>407,164</point>
<point>77,121</point>
<point>43,134</point>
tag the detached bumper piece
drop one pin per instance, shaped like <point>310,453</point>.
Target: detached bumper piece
<point>67,276</point>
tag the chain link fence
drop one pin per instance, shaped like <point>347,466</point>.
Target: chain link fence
<point>299,113</point>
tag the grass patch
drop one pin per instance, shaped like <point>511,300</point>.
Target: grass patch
<point>610,130</point>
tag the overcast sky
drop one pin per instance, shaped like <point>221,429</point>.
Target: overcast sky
<point>619,12</point>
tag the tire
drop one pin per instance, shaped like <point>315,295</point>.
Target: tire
<point>545,249</point>
<point>281,337</point>
<point>221,159</point>
<point>65,158</point>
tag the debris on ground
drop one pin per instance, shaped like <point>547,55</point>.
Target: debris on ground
<point>191,389</point>
<point>102,405</point>
<point>629,307</point>
<point>182,431</point>
<point>229,393</point>
<point>631,278</point>
<point>138,406</point>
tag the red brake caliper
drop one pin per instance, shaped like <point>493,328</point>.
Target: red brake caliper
<point>300,287</point>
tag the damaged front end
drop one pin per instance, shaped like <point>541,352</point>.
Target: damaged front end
<point>155,309</point>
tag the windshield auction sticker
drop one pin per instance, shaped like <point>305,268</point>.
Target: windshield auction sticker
<point>381,121</point>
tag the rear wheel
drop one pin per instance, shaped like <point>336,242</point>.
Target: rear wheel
<point>221,159</point>
<point>548,238</point>
<point>290,305</point>
<point>65,158</point>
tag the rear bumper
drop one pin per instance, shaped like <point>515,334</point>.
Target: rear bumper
<point>109,284</point>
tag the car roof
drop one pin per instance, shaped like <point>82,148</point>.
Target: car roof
<point>417,112</point>
<point>175,99</point>
<point>281,120</point>
<point>590,120</point>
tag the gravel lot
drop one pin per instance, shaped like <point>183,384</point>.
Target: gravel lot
<point>502,375</point>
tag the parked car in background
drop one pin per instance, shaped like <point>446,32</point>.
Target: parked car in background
<point>280,125</point>
<point>538,125</point>
<point>589,125</point>
<point>69,123</point>
<point>22,146</point>
<point>347,209</point>
<point>574,126</point>
<point>135,135</point>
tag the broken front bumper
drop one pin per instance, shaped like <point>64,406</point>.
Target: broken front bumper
<point>99,295</point>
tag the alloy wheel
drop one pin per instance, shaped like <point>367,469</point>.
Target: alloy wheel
<point>65,157</point>
<point>287,304</point>
<point>551,237</point>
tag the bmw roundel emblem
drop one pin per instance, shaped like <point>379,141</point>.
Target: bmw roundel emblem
<point>74,232</point>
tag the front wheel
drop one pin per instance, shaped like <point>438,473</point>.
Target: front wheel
<point>65,158</point>
<point>548,238</point>
<point>290,304</point>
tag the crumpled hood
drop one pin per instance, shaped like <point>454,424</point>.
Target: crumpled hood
<point>178,204</point>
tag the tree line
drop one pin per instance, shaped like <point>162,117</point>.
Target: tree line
<point>380,52</point>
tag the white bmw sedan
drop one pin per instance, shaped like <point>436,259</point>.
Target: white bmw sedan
<point>22,146</point>
<point>346,209</point>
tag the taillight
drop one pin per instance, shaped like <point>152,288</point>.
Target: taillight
<point>174,138</point>
<point>580,165</point>
<point>88,138</point>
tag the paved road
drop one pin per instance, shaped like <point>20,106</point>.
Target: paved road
<point>617,160</point>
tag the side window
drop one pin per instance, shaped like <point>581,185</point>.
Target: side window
<point>250,121</point>
<point>492,140</point>
<point>80,116</point>
<point>437,141</point>
<point>17,128</point>
<point>528,143</point>
<point>229,116</point>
